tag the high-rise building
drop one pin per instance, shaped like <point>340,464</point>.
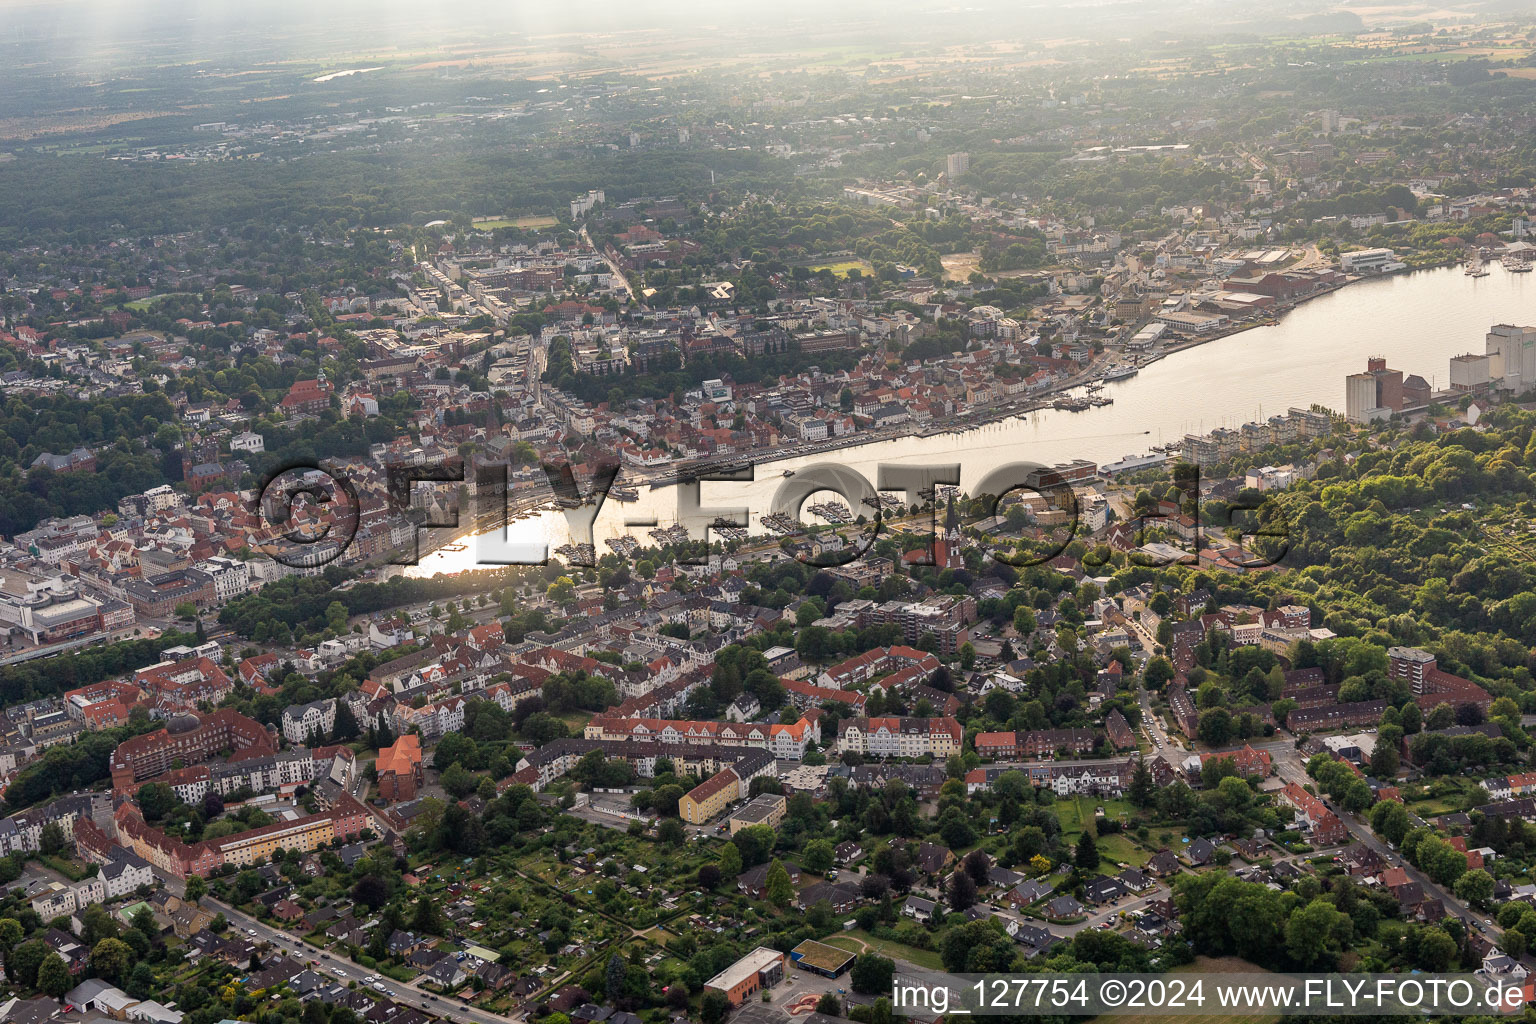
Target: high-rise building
<point>1512,356</point>
<point>958,165</point>
<point>1471,373</point>
<point>1375,394</point>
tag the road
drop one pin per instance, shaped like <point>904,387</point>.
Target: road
<point>1162,743</point>
<point>1107,914</point>
<point>338,966</point>
<point>613,268</point>
<point>1290,766</point>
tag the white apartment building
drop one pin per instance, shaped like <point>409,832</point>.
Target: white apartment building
<point>231,577</point>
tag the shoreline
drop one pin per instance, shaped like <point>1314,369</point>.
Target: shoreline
<point>1039,402</point>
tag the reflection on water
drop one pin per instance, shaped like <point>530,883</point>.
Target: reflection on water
<point>1418,321</point>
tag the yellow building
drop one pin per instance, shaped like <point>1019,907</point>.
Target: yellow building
<point>765,809</point>
<point>709,797</point>
<point>262,844</point>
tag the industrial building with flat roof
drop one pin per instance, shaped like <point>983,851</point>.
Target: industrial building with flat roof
<point>764,809</point>
<point>762,968</point>
<point>820,958</point>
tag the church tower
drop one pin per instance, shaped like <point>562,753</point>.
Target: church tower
<point>947,547</point>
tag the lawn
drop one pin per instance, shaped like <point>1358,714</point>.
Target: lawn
<point>1118,848</point>
<point>1075,812</point>
<point>1070,815</point>
<point>921,957</point>
<point>576,721</point>
<point>140,305</point>
<point>530,223</point>
<point>1448,795</point>
<point>842,267</point>
<point>1206,967</point>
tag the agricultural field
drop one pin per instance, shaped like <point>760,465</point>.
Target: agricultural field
<point>1206,966</point>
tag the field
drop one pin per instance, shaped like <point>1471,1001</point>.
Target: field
<point>1075,812</point>
<point>860,941</point>
<point>140,305</point>
<point>529,223</point>
<point>1203,966</point>
<point>959,266</point>
<point>1119,849</point>
<point>842,267</point>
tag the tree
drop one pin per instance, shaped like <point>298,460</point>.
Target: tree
<point>871,974</point>
<point>780,891</point>
<point>371,891</point>
<point>11,933</point>
<point>458,782</point>
<point>817,856</point>
<point>613,977</point>
<point>664,799</point>
<point>1175,801</point>
<point>1476,887</point>
<point>961,890</point>
<point>1389,819</point>
<point>427,918</point>
<point>1442,716</point>
<point>53,977</point>
<point>22,965</point>
<point>1143,789</point>
<point>1384,761</point>
<point>955,829</point>
<point>829,1005</point>
<point>977,947</point>
<point>196,888</point>
<point>1158,672</point>
<point>52,840</point>
<point>714,1007</point>
<point>1086,854</point>
<point>755,844</point>
<point>1029,842</point>
<point>978,865</point>
<point>670,832</point>
<point>1436,950</point>
<point>346,727</point>
<point>156,800</point>
<point>111,959</point>
<point>1316,931</point>
<point>1215,727</point>
<point>730,861</point>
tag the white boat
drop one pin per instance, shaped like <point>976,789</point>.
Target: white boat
<point>1122,372</point>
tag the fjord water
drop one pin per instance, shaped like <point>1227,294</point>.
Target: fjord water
<point>1417,321</point>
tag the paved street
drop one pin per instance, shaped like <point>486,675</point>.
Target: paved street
<point>346,970</point>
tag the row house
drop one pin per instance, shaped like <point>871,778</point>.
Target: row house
<point>1105,778</point>
<point>22,833</point>
<point>900,737</point>
<point>1508,786</point>
<point>788,741</point>
<point>1335,716</point>
<point>1040,743</point>
<point>300,722</point>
